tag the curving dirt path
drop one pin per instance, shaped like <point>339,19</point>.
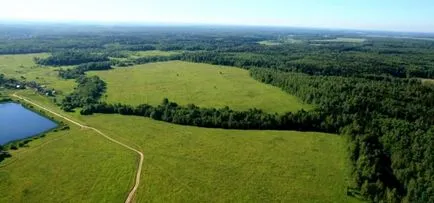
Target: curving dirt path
<point>139,168</point>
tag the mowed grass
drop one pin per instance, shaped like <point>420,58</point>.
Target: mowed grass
<point>75,165</point>
<point>22,65</point>
<point>190,164</point>
<point>200,84</point>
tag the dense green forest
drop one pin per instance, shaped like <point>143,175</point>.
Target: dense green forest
<point>390,125</point>
<point>368,90</point>
<point>88,91</point>
<point>65,58</point>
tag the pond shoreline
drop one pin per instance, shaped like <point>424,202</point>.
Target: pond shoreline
<point>22,142</point>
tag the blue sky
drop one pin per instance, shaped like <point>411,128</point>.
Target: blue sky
<point>396,15</point>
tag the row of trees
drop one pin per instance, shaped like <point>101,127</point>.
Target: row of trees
<point>390,125</point>
<point>78,71</point>
<point>10,83</point>
<point>73,57</point>
<point>319,62</point>
<point>217,118</point>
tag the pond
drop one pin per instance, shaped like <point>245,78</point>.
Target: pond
<point>17,122</point>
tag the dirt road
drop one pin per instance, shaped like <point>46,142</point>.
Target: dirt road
<point>139,167</point>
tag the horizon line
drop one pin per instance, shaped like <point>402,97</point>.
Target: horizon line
<point>180,24</point>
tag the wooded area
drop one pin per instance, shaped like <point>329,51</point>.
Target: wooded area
<point>369,91</point>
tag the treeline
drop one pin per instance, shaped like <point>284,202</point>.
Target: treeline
<point>3,154</point>
<point>143,60</point>
<point>88,91</point>
<point>4,98</point>
<point>66,58</point>
<point>390,125</point>
<point>78,71</point>
<point>10,83</point>
<point>321,61</point>
<point>216,118</point>
<point>20,39</point>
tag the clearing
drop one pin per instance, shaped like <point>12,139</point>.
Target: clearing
<point>201,84</point>
<point>22,65</point>
<point>153,53</point>
<point>282,40</point>
<point>190,164</point>
<point>342,39</point>
<point>182,163</point>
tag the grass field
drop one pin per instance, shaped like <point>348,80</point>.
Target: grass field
<point>270,43</point>
<point>201,84</point>
<point>190,164</point>
<point>153,53</point>
<point>182,163</point>
<point>68,166</point>
<point>342,39</point>
<point>285,40</point>
<point>23,65</point>
<point>428,81</point>
<point>137,54</point>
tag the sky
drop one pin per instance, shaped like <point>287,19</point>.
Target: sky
<point>392,15</point>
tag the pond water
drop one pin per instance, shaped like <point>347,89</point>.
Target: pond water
<point>17,122</point>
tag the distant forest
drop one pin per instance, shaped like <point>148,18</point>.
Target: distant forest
<point>369,90</point>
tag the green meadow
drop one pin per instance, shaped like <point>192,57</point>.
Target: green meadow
<point>153,53</point>
<point>191,164</point>
<point>74,165</point>
<point>182,163</point>
<point>342,39</point>
<point>200,84</point>
<point>270,43</point>
<point>23,66</point>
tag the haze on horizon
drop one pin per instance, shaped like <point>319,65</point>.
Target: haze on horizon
<point>390,15</point>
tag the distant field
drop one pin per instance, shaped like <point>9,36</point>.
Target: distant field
<point>68,166</point>
<point>23,65</point>
<point>201,84</point>
<point>190,164</point>
<point>153,53</point>
<point>270,43</point>
<point>428,81</point>
<point>402,37</point>
<point>342,39</point>
<point>288,40</point>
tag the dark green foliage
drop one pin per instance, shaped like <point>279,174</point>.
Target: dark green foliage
<point>74,57</point>
<point>79,70</point>
<point>3,154</point>
<point>363,90</point>
<point>217,118</point>
<point>88,91</point>
<point>322,61</point>
<point>390,125</point>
